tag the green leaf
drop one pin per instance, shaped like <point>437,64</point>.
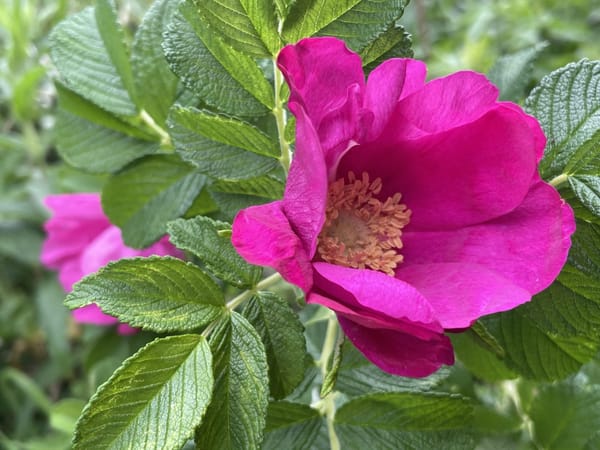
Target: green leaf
<point>367,21</point>
<point>86,65</point>
<point>264,186</point>
<point>234,132</point>
<point>235,418</point>
<point>567,104</point>
<point>147,194</point>
<point>393,420</point>
<point>203,73</point>
<point>262,15</point>
<point>393,43</point>
<point>283,336</point>
<point>565,415</point>
<point>158,294</point>
<point>307,17</point>
<point>212,158</point>
<point>94,140</point>
<point>153,401</point>
<point>291,426</point>
<point>230,20</point>
<point>151,71</point>
<point>587,189</point>
<point>333,371</point>
<point>511,73</point>
<point>201,236</point>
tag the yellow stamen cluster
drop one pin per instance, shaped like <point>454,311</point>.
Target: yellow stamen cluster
<point>360,231</point>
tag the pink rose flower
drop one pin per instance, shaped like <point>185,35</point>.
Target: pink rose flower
<point>411,207</point>
<point>80,240</point>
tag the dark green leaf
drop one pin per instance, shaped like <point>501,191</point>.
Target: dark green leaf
<point>587,189</point>
<point>393,43</point>
<point>212,158</point>
<point>158,294</point>
<point>235,418</point>
<point>291,426</point>
<point>153,401</point>
<point>147,194</point>
<point>282,334</point>
<point>200,235</point>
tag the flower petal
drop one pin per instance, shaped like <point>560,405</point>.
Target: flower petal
<point>460,177</point>
<point>461,293</point>
<point>93,314</point>
<point>534,125</point>
<point>263,236</point>
<point>319,72</point>
<point>397,352</point>
<point>528,246</point>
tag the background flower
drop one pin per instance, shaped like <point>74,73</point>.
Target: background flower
<point>411,207</point>
<point>80,240</point>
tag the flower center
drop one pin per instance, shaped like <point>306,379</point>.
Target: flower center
<point>361,231</point>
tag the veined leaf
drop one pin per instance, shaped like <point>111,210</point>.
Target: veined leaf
<point>393,43</point>
<point>212,158</point>
<point>262,15</point>
<point>147,194</point>
<point>282,334</point>
<point>158,294</point>
<point>235,418</point>
<point>291,426</point>
<point>153,401</point>
<point>265,186</point>
<point>200,235</point>
<point>86,64</point>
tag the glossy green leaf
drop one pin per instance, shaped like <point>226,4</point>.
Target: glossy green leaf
<point>235,418</point>
<point>282,334</point>
<point>291,426</point>
<point>153,401</point>
<point>201,236</point>
<point>212,158</point>
<point>147,194</point>
<point>158,294</point>
<point>87,65</point>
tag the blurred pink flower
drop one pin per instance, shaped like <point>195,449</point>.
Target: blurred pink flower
<point>411,207</point>
<point>80,240</point>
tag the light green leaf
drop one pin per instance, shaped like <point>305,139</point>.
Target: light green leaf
<point>203,73</point>
<point>147,194</point>
<point>262,15</point>
<point>235,418</point>
<point>291,426</point>
<point>265,186</point>
<point>307,17</point>
<point>153,401</point>
<point>565,415</point>
<point>333,371</point>
<point>234,132</point>
<point>212,158</point>
<point>283,6</point>
<point>393,43</point>
<point>86,66</point>
<point>200,235</point>
<point>282,334</point>
<point>151,72</point>
<point>158,294</point>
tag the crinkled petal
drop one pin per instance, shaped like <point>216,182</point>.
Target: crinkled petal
<point>443,104</point>
<point>305,196</point>
<point>397,352</point>
<point>461,293</point>
<point>528,246</point>
<point>376,294</point>
<point>388,83</point>
<point>534,125</point>
<point>319,72</point>
<point>93,314</point>
<point>461,177</point>
<point>263,236</point>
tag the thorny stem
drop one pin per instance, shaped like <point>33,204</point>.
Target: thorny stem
<point>280,119</point>
<point>558,180</point>
<point>165,139</point>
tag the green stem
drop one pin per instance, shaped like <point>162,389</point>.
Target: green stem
<point>558,180</point>
<point>246,295</point>
<point>165,139</point>
<point>281,119</point>
<point>327,405</point>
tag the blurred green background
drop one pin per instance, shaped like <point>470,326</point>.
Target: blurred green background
<point>49,367</point>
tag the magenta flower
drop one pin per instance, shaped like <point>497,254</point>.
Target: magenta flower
<point>80,240</point>
<point>411,207</point>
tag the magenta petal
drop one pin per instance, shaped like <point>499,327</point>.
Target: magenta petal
<point>461,293</point>
<point>393,80</point>
<point>399,353</point>
<point>93,314</point>
<point>376,293</point>
<point>263,236</point>
<point>528,246</point>
<point>69,273</point>
<point>126,330</point>
<point>305,194</point>
<point>320,72</point>
<point>534,125</point>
